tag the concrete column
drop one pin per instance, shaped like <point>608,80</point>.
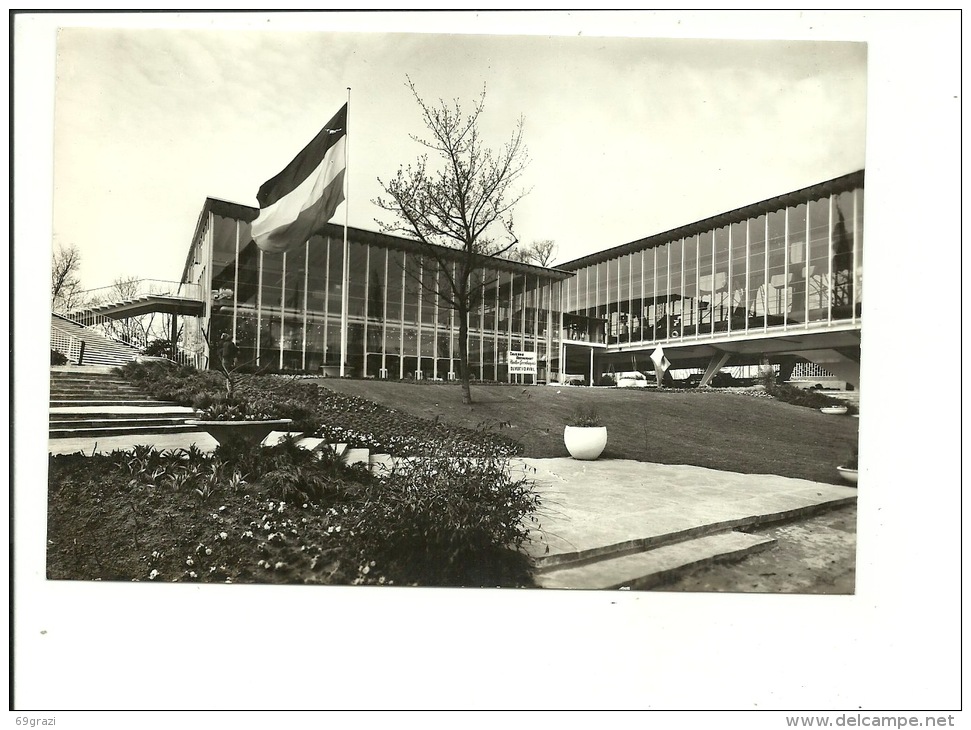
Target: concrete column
<point>717,362</point>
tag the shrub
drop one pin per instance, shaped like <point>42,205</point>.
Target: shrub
<point>585,415</point>
<point>57,358</point>
<point>805,398</point>
<point>606,380</point>
<point>447,521</point>
<point>158,348</point>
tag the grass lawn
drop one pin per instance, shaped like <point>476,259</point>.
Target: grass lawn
<point>714,429</point>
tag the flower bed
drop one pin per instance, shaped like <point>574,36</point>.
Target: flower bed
<point>282,515</point>
<point>336,417</point>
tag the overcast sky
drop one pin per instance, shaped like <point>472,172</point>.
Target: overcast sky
<point>627,137</point>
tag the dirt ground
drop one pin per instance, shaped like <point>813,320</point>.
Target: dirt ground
<point>814,556</point>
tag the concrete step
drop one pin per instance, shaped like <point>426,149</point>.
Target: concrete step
<point>65,415</point>
<point>79,385</point>
<point>118,421</point>
<point>82,371</point>
<point>649,568</point>
<point>85,374</point>
<point>357,456</point>
<point>105,403</point>
<point>103,393</point>
<point>56,433</point>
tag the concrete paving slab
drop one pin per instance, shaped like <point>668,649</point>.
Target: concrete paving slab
<point>592,508</point>
<point>107,444</point>
<point>646,569</point>
<point>122,409</point>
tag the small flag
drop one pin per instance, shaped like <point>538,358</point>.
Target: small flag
<point>303,197</point>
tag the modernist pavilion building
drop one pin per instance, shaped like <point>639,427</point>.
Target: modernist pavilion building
<point>780,279</point>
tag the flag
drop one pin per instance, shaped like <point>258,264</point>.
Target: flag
<point>301,198</point>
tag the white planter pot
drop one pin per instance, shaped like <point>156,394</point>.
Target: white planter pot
<point>585,442</point>
<point>850,475</point>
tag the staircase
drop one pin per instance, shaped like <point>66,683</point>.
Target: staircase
<point>92,401</point>
<point>97,349</point>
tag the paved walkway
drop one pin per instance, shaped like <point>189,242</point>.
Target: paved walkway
<point>609,522</point>
<point>596,507</point>
<point>107,444</point>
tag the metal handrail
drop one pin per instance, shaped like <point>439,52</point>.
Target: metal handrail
<point>105,327</point>
<point>68,345</point>
<point>137,288</point>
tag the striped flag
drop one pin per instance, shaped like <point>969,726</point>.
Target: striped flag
<point>303,197</point>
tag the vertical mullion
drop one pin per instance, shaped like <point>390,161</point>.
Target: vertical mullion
<point>765,275</point>
<point>856,243</point>
<point>259,308</point>
<point>711,304</point>
<point>384,317</point>
<point>654,303</point>
<point>785,268</point>
<point>640,316</point>
<point>805,261</point>
<point>401,329</point>
<point>748,267</point>
<point>829,258</point>
<point>367,302</point>
<point>235,282</point>
<point>306,275</point>
<point>283,304</point>
<point>681,286</point>
<point>326,295</point>
<point>728,283</point>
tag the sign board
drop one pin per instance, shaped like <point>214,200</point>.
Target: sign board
<point>521,363</point>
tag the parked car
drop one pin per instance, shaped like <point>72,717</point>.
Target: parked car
<point>632,379</point>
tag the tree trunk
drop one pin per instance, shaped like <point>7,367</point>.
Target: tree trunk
<point>463,316</point>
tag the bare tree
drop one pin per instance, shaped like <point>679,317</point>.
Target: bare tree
<point>462,201</point>
<point>540,253</point>
<point>66,293</point>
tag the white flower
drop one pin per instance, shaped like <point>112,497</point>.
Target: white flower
<point>188,561</point>
<point>330,529</point>
<point>337,529</point>
<point>366,569</point>
<point>192,574</point>
<point>208,551</point>
<point>223,535</point>
<point>153,575</point>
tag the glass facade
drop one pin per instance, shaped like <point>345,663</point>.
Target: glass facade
<point>286,311</point>
<point>775,266</point>
<point>792,263</point>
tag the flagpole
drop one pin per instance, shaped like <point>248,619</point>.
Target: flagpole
<point>345,274</point>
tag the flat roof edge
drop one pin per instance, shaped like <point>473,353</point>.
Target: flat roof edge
<point>837,184</point>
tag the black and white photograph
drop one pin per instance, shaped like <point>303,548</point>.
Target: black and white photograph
<point>495,320</point>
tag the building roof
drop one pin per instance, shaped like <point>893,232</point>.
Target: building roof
<point>248,213</point>
<point>836,185</point>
